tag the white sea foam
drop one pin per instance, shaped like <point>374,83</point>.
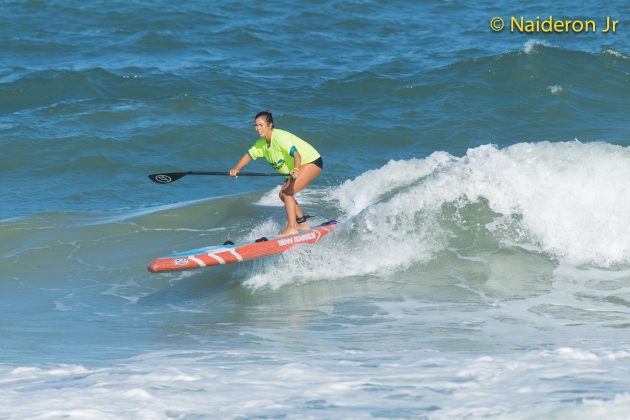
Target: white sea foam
<point>370,187</point>
<point>271,198</point>
<point>555,89</point>
<point>615,53</point>
<point>572,197</point>
<point>530,45</point>
<point>310,196</point>
<point>329,384</point>
<point>266,228</point>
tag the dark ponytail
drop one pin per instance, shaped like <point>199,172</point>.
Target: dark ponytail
<point>266,115</point>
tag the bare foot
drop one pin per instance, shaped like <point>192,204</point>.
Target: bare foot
<point>289,231</point>
<point>303,226</point>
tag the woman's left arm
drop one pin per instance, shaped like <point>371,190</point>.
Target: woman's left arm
<point>297,161</point>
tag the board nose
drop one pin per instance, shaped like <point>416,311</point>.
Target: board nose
<point>154,267</point>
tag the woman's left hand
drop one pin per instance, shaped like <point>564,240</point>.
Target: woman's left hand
<point>294,173</point>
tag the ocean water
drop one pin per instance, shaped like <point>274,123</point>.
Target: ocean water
<point>482,264</point>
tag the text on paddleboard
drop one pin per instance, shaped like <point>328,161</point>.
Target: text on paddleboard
<point>297,239</point>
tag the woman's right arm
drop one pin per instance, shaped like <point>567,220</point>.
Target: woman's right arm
<point>241,163</point>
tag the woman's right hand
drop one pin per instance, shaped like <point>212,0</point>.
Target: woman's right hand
<point>234,172</point>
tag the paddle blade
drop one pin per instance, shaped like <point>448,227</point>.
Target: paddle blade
<point>166,178</point>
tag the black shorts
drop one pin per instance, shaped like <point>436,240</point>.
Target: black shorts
<point>318,162</point>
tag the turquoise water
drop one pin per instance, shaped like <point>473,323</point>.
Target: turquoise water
<point>482,268</point>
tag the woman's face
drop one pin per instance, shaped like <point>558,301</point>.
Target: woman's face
<point>263,128</point>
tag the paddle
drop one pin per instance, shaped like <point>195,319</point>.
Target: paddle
<point>174,176</point>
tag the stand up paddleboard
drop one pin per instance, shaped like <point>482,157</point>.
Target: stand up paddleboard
<point>231,253</point>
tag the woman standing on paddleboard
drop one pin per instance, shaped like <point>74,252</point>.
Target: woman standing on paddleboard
<point>287,153</point>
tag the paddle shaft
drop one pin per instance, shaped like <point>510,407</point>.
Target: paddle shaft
<point>167,178</point>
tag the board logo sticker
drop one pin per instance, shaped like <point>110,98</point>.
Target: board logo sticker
<point>180,261</point>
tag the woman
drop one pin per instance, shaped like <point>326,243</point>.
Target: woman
<point>287,154</point>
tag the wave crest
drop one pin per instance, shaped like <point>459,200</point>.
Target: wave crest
<point>567,201</point>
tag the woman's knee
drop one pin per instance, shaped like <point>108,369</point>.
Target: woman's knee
<point>285,193</point>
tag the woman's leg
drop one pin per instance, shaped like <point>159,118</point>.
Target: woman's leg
<point>308,173</point>
<point>298,210</point>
